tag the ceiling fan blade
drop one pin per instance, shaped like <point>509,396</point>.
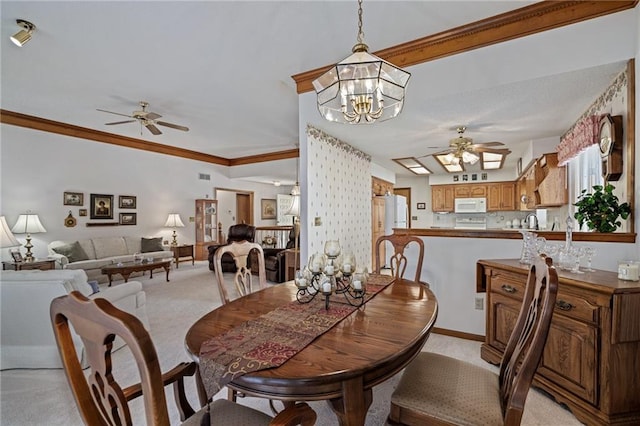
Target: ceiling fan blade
<point>120,122</point>
<point>152,116</point>
<point>504,151</point>
<point>153,129</point>
<point>111,112</point>
<point>487,144</point>
<point>173,126</point>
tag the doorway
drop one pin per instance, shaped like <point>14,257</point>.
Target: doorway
<point>234,206</point>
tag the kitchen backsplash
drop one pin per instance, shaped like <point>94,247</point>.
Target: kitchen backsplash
<point>504,219</point>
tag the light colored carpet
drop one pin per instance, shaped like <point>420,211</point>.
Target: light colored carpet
<point>30,397</point>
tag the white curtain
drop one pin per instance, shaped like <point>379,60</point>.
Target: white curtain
<point>585,171</point>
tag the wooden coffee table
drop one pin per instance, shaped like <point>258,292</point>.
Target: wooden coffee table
<point>127,268</point>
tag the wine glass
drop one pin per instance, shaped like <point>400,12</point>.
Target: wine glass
<point>577,253</point>
<point>589,252</point>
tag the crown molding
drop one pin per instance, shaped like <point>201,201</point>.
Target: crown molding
<point>514,24</point>
<point>57,127</point>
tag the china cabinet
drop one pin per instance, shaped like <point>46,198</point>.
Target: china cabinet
<point>206,226</point>
<point>590,360</point>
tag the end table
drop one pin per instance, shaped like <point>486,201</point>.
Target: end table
<point>42,264</point>
<point>183,252</point>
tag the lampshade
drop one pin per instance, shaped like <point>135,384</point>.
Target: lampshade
<point>28,224</point>
<point>294,209</point>
<point>6,236</point>
<point>24,35</point>
<point>362,88</point>
<point>174,221</point>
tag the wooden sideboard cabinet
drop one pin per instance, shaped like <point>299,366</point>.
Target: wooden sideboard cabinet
<point>591,361</point>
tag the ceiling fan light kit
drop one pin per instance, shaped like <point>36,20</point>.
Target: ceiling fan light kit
<point>362,88</point>
<point>463,151</point>
<point>146,118</point>
<point>24,35</point>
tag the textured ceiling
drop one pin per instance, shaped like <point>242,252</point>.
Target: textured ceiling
<point>224,70</point>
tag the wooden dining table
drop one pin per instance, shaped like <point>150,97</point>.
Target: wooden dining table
<point>343,364</point>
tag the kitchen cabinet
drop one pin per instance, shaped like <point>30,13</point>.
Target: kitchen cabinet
<point>590,360</point>
<point>501,196</point>
<point>544,184</point>
<point>442,198</point>
<point>470,191</point>
<point>206,227</point>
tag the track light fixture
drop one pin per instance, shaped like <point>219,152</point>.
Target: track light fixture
<point>24,35</point>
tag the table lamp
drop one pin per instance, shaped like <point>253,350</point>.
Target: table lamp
<point>28,223</point>
<point>174,221</point>
<point>6,236</point>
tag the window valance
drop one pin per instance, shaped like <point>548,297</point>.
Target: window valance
<point>583,134</point>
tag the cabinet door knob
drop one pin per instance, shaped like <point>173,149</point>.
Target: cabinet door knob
<point>508,288</point>
<point>564,306</point>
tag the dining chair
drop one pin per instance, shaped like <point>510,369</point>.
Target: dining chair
<point>398,261</point>
<point>242,278</point>
<point>437,389</point>
<point>102,401</point>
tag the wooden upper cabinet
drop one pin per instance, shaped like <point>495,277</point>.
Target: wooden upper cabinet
<point>470,191</point>
<point>551,189</point>
<point>442,198</point>
<point>501,196</point>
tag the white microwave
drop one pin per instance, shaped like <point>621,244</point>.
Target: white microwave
<point>470,205</point>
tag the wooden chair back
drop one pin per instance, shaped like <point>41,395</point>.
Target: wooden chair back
<point>398,261</point>
<point>526,343</point>
<point>242,279</point>
<point>100,399</point>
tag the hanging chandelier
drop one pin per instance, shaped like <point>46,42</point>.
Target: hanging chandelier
<point>362,88</point>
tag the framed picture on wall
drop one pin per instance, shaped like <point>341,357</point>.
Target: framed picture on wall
<point>128,218</point>
<point>127,202</point>
<point>73,199</point>
<point>422,206</point>
<point>101,206</point>
<point>268,208</point>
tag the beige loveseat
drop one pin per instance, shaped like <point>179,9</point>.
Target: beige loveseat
<point>26,334</point>
<point>92,254</point>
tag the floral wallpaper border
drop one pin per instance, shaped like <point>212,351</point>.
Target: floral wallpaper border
<point>324,137</point>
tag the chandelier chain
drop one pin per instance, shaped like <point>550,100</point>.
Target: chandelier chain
<point>360,32</point>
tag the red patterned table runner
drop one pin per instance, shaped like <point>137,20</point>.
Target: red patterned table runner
<point>271,339</point>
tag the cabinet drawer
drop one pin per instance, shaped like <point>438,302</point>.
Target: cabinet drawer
<point>576,307</point>
<point>510,285</point>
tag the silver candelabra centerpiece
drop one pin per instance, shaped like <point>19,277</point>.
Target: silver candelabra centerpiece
<point>331,273</point>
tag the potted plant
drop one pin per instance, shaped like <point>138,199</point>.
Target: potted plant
<point>600,209</point>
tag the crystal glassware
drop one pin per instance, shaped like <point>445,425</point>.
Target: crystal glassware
<point>589,252</point>
<point>577,253</point>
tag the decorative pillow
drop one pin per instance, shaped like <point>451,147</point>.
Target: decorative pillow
<point>151,244</point>
<point>73,251</point>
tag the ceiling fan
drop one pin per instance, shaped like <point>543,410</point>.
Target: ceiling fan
<point>146,118</point>
<point>462,150</point>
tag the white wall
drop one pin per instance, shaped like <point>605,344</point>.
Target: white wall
<point>37,167</point>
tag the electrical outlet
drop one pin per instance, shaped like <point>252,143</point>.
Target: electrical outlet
<point>479,303</point>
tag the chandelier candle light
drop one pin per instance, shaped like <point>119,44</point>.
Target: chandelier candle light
<point>362,88</point>
<point>329,273</point>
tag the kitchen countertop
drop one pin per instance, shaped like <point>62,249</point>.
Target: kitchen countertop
<point>512,233</point>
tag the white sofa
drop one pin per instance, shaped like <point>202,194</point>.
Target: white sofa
<point>103,251</point>
<point>26,339</point>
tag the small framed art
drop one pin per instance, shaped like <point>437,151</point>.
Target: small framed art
<point>268,208</point>
<point>73,199</point>
<point>101,206</point>
<point>128,218</point>
<point>127,202</point>
<point>422,206</point>
<point>16,255</point>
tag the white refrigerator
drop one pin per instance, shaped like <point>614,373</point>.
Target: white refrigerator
<point>396,213</point>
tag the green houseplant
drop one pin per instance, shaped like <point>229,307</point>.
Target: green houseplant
<point>600,209</point>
